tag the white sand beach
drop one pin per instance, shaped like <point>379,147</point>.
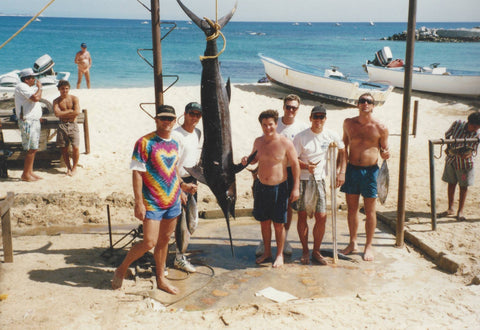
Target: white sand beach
<point>116,122</point>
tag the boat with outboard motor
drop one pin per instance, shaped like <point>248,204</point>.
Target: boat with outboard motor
<point>329,84</point>
<point>44,71</point>
<point>431,79</point>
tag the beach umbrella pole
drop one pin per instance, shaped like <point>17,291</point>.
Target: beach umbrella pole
<point>333,179</point>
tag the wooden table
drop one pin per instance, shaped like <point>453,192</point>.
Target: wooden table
<point>50,153</point>
<point>5,205</point>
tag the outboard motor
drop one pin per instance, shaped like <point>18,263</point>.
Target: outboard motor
<point>44,65</point>
<point>383,57</point>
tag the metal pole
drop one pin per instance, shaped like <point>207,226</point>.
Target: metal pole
<point>433,207</point>
<point>157,52</point>
<point>407,90</point>
<point>333,181</point>
<point>415,116</point>
<point>109,226</point>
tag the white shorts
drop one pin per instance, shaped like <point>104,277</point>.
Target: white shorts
<point>30,130</point>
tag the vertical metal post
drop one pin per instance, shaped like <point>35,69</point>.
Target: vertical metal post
<point>333,181</point>
<point>433,207</point>
<point>157,52</point>
<point>407,90</point>
<point>415,116</point>
<point>109,226</point>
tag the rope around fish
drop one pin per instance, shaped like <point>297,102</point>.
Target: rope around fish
<point>215,26</point>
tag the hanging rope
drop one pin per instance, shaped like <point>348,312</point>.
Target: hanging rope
<point>23,27</point>
<point>215,35</point>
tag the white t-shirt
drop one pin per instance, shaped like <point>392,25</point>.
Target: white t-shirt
<point>313,148</point>
<point>189,148</point>
<point>31,110</point>
<point>290,130</point>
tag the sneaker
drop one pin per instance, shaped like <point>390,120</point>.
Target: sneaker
<point>184,264</point>
<point>260,249</point>
<point>287,249</point>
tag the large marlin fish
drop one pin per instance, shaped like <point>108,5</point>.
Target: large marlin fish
<point>218,170</point>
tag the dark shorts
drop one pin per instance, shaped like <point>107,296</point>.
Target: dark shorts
<point>68,133</point>
<point>270,202</point>
<point>361,180</point>
<point>289,179</point>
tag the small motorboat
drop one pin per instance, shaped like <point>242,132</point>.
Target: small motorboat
<point>330,84</point>
<point>431,79</point>
<point>43,68</point>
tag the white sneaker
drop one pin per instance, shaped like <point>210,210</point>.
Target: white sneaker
<point>184,264</point>
<point>287,249</point>
<point>260,249</point>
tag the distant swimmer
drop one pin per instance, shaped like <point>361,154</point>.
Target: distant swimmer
<point>84,62</point>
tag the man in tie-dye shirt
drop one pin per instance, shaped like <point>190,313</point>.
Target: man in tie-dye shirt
<point>156,187</point>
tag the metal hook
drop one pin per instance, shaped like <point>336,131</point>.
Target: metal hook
<point>441,149</point>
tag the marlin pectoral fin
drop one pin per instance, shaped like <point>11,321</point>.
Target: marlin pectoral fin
<point>197,173</point>
<point>238,167</point>
<point>229,90</point>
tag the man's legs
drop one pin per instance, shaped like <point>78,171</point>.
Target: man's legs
<point>461,202</point>
<point>318,232</point>
<point>28,174</point>
<point>266,227</point>
<point>79,79</point>
<point>370,225</point>
<point>352,218</point>
<point>280,239</point>
<point>167,226</point>
<point>75,158</point>
<point>302,228</point>
<point>151,230</point>
<point>66,160</point>
<point>87,78</point>
<point>451,197</point>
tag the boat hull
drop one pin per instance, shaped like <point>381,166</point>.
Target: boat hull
<point>335,89</point>
<point>454,84</point>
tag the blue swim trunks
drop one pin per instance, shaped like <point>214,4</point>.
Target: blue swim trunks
<point>270,202</point>
<point>170,213</point>
<point>361,180</point>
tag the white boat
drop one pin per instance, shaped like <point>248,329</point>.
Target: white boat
<point>371,23</point>
<point>328,84</point>
<point>43,68</point>
<point>431,79</point>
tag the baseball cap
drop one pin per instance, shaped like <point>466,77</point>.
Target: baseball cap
<point>193,106</point>
<point>83,45</point>
<point>27,73</point>
<point>318,109</point>
<point>165,110</point>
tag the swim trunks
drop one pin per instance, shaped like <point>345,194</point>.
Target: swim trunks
<point>170,213</point>
<point>270,202</point>
<point>361,180</point>
<point>30,131</point>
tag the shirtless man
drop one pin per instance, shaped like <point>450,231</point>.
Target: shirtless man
<point>66,107</point>
<point>271,196</point>
<point>364,138</point>
<point>84,61</point>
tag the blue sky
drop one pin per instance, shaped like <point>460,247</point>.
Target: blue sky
<point>259,10</point>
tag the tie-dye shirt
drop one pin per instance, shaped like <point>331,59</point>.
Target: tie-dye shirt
<point>161,186</point>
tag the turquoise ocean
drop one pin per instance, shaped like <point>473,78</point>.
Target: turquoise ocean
<point>113,44</point>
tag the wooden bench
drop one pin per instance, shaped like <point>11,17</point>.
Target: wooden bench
<point>5,206</point>
<point>11,151</point>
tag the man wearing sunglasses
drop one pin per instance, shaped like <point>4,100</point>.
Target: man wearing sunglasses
<point>27,94</point>
<point>189,137</point>
<point>365,138</point>
<point>312,148</point>
<point>156,188</point>
<point>288,127</point>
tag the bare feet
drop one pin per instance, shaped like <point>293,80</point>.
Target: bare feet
<point>447,213</point>
<point>317,257</point>
<point>368,253</point>
<point>351,248</point>
<point>460,217</point>
<point>117,280</point>
<point>278,261</point>
<point>167,287</point>
<point>263,258</point>
<point>305,259</point>
<point>29,178</point>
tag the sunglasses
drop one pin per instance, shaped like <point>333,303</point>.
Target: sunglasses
<point>322,116</point>
<point>195,114</point>
<point>166,118</point>
<point>362,100</point>
<point>291,108</point>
